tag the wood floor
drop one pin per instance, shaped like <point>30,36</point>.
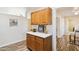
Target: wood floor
<point>20,46</point>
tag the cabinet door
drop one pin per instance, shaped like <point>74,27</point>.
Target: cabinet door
<point>46,16</point>
<point>34,18</point>
<point>43,17</point>
<point>28,40</point>
<point>48,44</point>
<point>40,17</point>
<point>49,16</point>
<point>39,44</point>
<point>31,42</point>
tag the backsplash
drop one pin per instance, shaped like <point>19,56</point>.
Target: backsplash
<point>48,28</point>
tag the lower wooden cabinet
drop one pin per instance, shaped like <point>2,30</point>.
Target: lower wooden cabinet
<point>31,42</point>
<point>36,43</point>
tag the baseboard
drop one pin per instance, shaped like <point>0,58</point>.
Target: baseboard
<point>11,43</point>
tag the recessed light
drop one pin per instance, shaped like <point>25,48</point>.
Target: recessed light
<point>76,13</point>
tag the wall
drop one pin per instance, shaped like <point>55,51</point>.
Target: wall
<point>72,21</point>
<point>61,27</point>
<point>9,35</point>
<point>66,24</point>
<point>53,28</point>
<point>67,20</point>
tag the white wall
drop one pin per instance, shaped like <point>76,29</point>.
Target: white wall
<point>9,35</point>
<point>74,20</point>
<point>53,30</point>
<point>62,26</point>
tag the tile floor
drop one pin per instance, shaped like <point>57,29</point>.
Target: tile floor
<point>63,44</point>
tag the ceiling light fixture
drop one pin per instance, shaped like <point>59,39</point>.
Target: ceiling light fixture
<point>75,10</point>
<point>76,13</point>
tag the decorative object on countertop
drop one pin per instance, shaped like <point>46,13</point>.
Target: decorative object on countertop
<point>46,30</point>
<point>41,28</point>
<point>34,30</point>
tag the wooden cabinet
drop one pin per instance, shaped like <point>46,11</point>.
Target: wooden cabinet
<point>42,17</point>
<point>35,18</point>
<point>48,43</point>
<point>36,43</point>
<point>39,44</point>
<point>31,41</point>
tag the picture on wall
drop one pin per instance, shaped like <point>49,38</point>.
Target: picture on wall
<point>13,22</point>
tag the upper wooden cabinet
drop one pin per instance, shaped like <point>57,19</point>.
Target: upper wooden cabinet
<point>42,17</point>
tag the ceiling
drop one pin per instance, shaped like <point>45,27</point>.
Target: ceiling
<point>30,9</point>
<point>63,11</point>
<point>66,11</point>
<point>18,11</point>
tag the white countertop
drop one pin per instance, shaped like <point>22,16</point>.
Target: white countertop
<point>43,35</point>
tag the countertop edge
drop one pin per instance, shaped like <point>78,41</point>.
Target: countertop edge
<point>42,36</point>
